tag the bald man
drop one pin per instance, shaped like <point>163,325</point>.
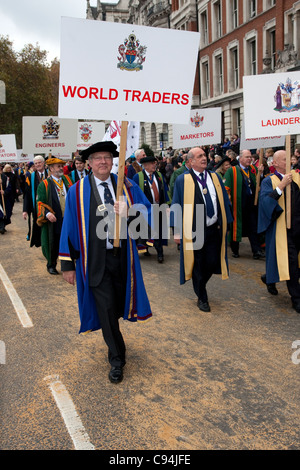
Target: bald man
<point>282,243</point>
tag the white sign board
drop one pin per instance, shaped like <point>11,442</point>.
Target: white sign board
<point>272,104</point>
<point>49,134</point>
<point>89,133</point>
<point>24,157</point>
<point>261,142</point>
<point>204,129</point>
<point>8,148</point>
<point>126,72</point>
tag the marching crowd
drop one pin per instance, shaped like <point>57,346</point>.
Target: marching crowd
<point>222,180</point>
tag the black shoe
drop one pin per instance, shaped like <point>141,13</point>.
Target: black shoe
<point>235,255</point>
<point>52,270</point>
<point>160,259</point>
<point>296,306</point>
<point>204,306</point>
<point>259,255</point>
<point>116,374</point>
<point>147,253</point>
<point>2,231</point>
<point>271,287</point>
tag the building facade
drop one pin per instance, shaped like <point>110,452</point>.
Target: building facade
<point>237,38</point>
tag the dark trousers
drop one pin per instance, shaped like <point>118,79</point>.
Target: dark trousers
<point>293,251</point>
<point>206,261</point>
<point>249,229</point>
<point>110,298</point>
<point>54,251</point>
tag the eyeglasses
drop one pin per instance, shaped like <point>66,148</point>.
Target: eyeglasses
<point>99,159</point>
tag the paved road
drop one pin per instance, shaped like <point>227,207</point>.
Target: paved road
<point>227,379</point>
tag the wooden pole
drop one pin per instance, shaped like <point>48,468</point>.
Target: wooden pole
<point>261,155</point>
<point>121,171</point>
<point>288,188</point>
<point>3,202</point>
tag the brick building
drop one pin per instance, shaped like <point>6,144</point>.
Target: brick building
<point>238,37</point>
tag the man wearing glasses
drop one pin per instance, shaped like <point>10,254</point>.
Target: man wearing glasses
<point>109,281</point>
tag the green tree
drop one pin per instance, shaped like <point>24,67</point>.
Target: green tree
<point>148,150</point>
<point>31,86</point>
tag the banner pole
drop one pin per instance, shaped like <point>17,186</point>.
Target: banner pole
<point>3,201</point>
<point>121,172</point>
<point>261,154</point>
<point>288,188</point>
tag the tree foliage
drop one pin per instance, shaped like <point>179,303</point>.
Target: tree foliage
<point>31,86</point>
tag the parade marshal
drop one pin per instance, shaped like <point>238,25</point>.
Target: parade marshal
<point>109,282</point>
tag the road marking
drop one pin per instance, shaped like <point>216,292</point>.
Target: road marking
<point>2,352</point>
<point>15,299</point>
<point>69,414</point>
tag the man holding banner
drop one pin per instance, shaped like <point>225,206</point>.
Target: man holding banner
<point>282,244</point>
<point>109,278</point>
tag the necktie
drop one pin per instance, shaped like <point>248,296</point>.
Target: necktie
<point>209,204</point>
<point>61,195</point>
<point>81,175</point>
<point>155,190</point>
<point>109,203</point>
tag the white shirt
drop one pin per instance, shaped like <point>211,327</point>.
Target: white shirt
<point>79,173</point>
<point>278,189</point>
<point>101,188</point>
<point>210,186</point>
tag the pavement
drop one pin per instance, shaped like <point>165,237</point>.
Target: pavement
<point>223,380</point>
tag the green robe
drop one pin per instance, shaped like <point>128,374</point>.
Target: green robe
<point>233,181</point>
<point>45,204</point>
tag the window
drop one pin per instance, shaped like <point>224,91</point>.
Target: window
<point>233,66</point>
<point>253,69</point>
<point>234,14</point>
<point>218,76</point>
<point>250,53</point>
<point>273,48</point>
<point>204,28</point>
<point>205,82</point>
<point>252,8</point>
<point>217,20</point>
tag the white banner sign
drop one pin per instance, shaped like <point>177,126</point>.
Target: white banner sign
<point>126,72</point>
<point>204,129</point>
<point>89,133</point>
<point>24,157</point>
<point>49,134</point>
<point>113,133</point>
<point>8,148</point>
<point>272,104</point>
<point>261,142</point>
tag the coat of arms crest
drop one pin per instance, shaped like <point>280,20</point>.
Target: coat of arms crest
<point>50,129</point>
<point>85,131</point>
<point>287,96</point>
<point>197,120</point>
<point>132,54</point>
